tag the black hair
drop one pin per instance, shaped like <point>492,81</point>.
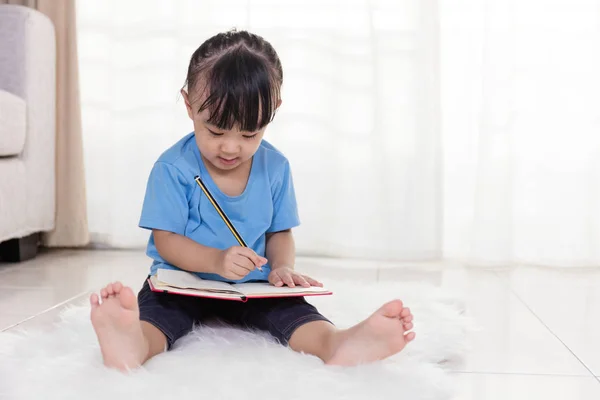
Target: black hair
<point>242,75</point>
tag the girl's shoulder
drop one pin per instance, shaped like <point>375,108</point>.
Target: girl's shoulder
<point>276,166</point>
<point>178,164</point>
<point>179,150</point>
<point>271,155</point>
<point>182,155</point>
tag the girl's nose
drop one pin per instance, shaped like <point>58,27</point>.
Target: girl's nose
<point>230,146</point>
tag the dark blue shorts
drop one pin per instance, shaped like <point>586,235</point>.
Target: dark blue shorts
<point>176,315</point>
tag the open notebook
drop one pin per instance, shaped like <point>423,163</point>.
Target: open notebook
<point>185,283</point>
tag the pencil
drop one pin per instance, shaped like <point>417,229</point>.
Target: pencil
<point>221,213</point>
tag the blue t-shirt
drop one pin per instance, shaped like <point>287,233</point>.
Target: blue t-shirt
<point>174,202</point>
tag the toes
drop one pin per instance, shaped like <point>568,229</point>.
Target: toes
<point>117,287</point>
<point>392,309</point>
<point>94,300</point>
<point>409,336</point>
<point>127,298</point>
<point>407,319</point>
<point>111,289</point>
<point>405,313</point>
<point>407,326</point>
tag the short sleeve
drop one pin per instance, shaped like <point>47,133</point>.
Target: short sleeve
<point>165,202</point>
<point>285,209</point>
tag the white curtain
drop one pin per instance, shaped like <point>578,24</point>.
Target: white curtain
<point>464,129</point>
<point>358,121</point>
<point>521,131</point>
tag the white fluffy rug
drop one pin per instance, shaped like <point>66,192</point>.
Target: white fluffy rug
<point>225,363</point>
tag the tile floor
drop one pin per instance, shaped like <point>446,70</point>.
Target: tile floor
<point>541,327</point>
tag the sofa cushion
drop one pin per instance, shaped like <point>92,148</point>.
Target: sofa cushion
<point>12,124</point>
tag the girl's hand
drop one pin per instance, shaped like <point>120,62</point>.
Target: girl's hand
<point>287,276</point>
<point>236,262</point>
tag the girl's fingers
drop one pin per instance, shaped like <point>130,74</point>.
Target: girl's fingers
<point>313,282</point>
<point>299,279</point>
<point>288,280</point>
<point>256,260</point>
<point>243,262</point>
<point>275,280</point>
<point>240,270</point>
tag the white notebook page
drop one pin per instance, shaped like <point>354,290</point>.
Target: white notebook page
<point>186,280</point>
<point>255,288</point>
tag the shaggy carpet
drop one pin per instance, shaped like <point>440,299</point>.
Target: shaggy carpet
<point>217,362</point>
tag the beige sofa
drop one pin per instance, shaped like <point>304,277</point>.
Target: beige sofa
<point>27,130</point>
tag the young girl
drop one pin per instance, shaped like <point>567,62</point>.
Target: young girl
<point>233,90</point>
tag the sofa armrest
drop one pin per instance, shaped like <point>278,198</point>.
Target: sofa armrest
<point>13,124</point>
<point>28,70</point>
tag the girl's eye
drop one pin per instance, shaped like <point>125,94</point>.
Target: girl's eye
<point>215,133</point>
<point>250,136</point>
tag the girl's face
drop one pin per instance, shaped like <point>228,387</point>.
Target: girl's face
<point>225,150</point>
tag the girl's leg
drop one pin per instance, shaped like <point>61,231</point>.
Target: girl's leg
<point>157,341</point>
<point>381,335</point>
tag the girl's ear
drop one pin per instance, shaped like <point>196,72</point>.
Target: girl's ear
<point>188,105</point>
<point>278,104</point>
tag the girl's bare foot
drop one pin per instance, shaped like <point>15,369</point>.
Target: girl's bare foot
<point>381,335</point>
<point>117,325</point>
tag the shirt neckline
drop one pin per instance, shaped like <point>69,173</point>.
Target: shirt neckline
<point>208,180</point>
